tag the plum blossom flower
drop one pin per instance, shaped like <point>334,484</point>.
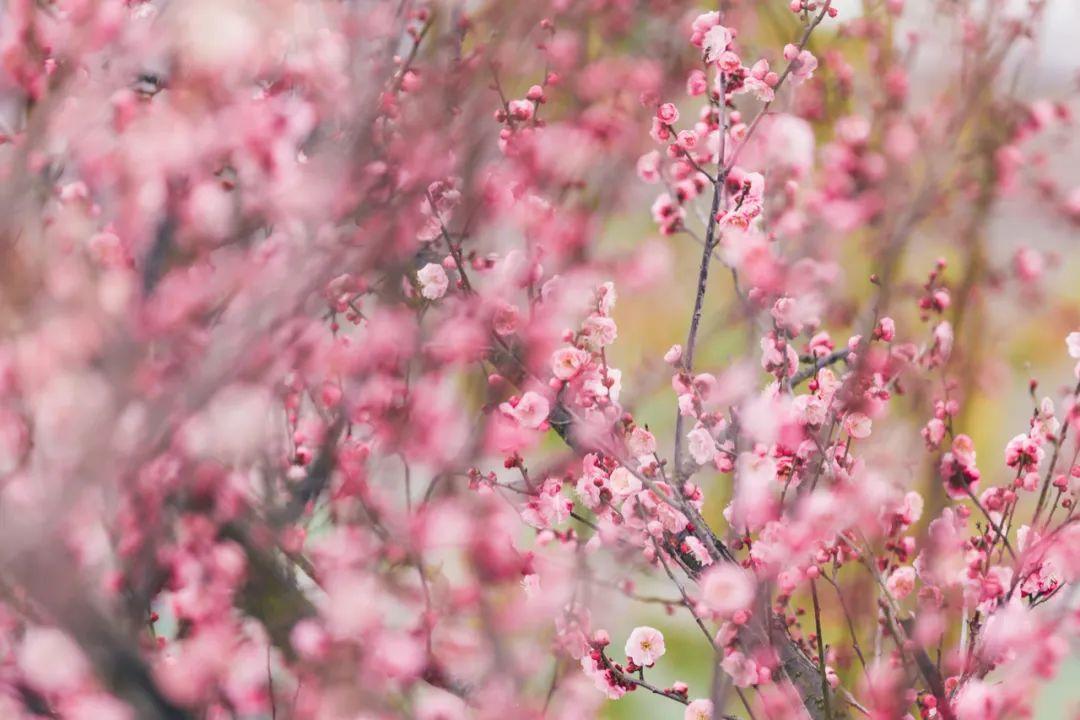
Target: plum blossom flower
<point>623,482</point>
<point>698,551</point>
<point>1072,342</point>
<point>606,298</point>
<point>958,469</point>
<point>743,670</point>
<point>531,409</point>
<point>648,167</point>
<point>803,62</point>
<point>1024,452</point>
<point>933,433</point>
<point>600,676</point>
<point>701,25</point>
<point>641,442</point>
<point>548,507</point>
<point>700,709</point>
<point>568,362</point>
<point>667,114</point>
<point>759,88</point>
<point>778,356</point>
<point>857,425</point>
<point>667,213</point>
<point>901,582</point>
<point>978,700</point>
<point>701,445</point>
<point>52,661</point>
<point>715,42</point>
<point>912,508</point>
<point>433,281</point>
<point>645,646</point>
<point>598,331</point>
<point>727,589</point>
<point>696,83</point>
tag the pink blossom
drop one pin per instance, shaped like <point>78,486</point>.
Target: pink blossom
<point>433,281</point>
<point>1023,452</point>
<point>727,589</point>
<point>598,332</point>
<point>642,442</point>
<point>701,445</point>
<point>623,482</point>
<point>531,410</point>
<point>933,433</point>
<point>700,709</point>
<point>979,700</point>
<point>645,646</point>
<point>291,301</point>
<point>51,661</point>
<point>901,582</point>
<point>857,425</point>
<point>912,508</point>
<point>568,362</point>
<point>715,41</point>
<point>743,670</point>
<point>803,63</point>
<point>696,83</point>
<point>521,110</point>
<point>701,25</point>
<point>648,167</point>
<point>1072,341</point>
<point>667,114</point>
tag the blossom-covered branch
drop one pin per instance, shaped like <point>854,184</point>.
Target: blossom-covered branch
<point>351,365</point>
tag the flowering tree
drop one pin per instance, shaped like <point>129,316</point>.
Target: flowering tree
<point>309,397</point>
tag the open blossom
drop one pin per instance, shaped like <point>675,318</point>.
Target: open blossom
<point>648,167</point>
<point>641,442</point>
<point>51,660</point>
<point>623,482</point>
<point>696,83</point>
<point>601,678</point>
<point>933,433</point>
<point>701,25</point>
<point>743,670</point>
<point>958,470</point>
<point>979,700</point>
<point>803,62</point>
<point>700,709</point>
<point>645,646</point>
<point>901,582</point>
<point>667,213</point>
<point>912,508</point>
<point>727,589</point>
<point>433,281</point>
<point>1072,342</point>
<point>1024,452</point>
<point>778,356</point>
<point>549,507</point>
<point>716,40</point>
<point>701,445</point>
<point>598,332</point>
<point>568,362</point>
<point>857,425</point>
<point>531,410</point>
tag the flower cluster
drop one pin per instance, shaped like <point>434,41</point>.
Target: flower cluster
<point>333,381</point>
